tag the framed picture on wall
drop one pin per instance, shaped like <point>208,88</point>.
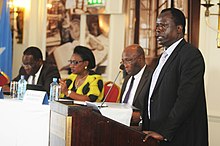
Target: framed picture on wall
<point>64,28</point>
<point>63,33</point>
<point>17,23</point>
<point>97,39</point>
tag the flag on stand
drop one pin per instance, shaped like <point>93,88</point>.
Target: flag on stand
<point>5,39</point>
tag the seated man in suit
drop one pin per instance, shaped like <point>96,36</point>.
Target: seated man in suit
<point>133,89</point>
<point>35,71</point>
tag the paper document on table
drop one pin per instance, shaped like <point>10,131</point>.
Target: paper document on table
<point>118,111</point>
<point>79,102</point>
<point>98,104</point>
<point>73,101</point>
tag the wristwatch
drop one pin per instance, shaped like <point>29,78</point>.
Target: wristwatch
<point>68,93</point>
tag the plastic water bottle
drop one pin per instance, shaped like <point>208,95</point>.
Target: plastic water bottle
<point>22,87</point>
<point>54,90</point>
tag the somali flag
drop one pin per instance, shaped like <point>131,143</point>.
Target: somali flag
<point>5,39</point>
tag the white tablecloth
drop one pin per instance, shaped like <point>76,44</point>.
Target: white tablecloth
<point>23,124</point>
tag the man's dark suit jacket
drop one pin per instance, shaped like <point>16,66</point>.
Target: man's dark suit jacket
<point>178,106</point>
<point>140,93</point>
<point>48,72</point>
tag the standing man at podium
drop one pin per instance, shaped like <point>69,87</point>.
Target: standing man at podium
<point>134,85</point>
<point>175,112</point>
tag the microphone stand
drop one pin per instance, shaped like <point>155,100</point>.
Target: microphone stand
<point>110,89</point>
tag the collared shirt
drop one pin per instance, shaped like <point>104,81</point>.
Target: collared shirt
<point>36,77</point>
<point>137,79</point>
<point>159,67</point>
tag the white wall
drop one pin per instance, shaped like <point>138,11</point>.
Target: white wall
<point>117,39</point>
<point>208,46</point>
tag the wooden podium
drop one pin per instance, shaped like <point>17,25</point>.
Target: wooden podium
<point>74,125</point>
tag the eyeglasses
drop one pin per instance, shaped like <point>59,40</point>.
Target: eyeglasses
<point>74,62</point>
<point>28,65</point>
<point>129,61</point>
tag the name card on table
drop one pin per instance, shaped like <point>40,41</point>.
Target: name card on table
<point>36,97</point>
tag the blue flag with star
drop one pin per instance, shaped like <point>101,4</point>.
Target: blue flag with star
<point>5,39</point>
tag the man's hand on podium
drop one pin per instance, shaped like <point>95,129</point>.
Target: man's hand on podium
<point>136,117</point>
<point>154,135</point>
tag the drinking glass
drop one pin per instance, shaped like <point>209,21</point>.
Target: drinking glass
<point>13,89</point>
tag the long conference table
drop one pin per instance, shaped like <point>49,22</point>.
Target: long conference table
<point>23,124</point>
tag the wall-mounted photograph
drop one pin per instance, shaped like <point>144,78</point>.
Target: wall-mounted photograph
<point>97,39</point>
<point>63,33</point>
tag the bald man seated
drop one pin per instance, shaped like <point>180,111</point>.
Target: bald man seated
<point>134,85</point>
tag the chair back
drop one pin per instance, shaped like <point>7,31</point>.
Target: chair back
<point>114,94</point>
<point>4,79</point>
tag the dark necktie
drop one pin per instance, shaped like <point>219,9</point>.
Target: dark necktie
<point>33,80</point>
<point>129,91</point>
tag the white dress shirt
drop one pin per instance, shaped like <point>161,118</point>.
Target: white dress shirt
<point>137,79</point>
<point>36,77</point>
<point>164,57</point>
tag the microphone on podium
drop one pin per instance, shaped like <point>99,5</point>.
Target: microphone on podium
<point>122,67</point>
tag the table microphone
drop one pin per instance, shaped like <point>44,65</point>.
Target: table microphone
<point>122,67</point>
